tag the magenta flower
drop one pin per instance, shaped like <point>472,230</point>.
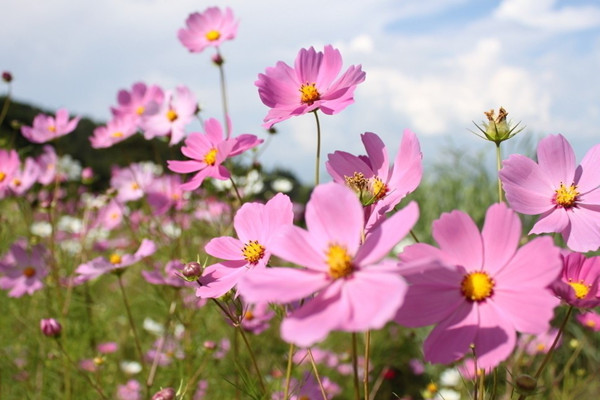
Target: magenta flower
<point>379,186</point>
<point>176,112</point>
<point>24,270</point>
<point>50,327</point>
<point>355,289</point>
<point>579,284</point>
<point>590,320</point>
<point>164,193</point>
<point>115,131</point>
<point>566,195</point>
<point>46,127</point>
<point>115,262</point>
<point>141,101</point>
<point>309,86</point>
<point>208,29</point>
<point>256,225</point>
<point>484,290</point>
<point>208,152</point>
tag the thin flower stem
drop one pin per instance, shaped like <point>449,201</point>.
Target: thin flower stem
<point>163,340</point>
<point>498,167</point>
<point>74,365</point>
<point>5,106</point>
<point>288,372</point>
<point>355,367</point>
<point>136,338</point>
<point>317,376</point>
<point>237,192</point>
<point>318,158</point>
<point>415,238</point>
<point>367,356</point>
<point>224,96</point>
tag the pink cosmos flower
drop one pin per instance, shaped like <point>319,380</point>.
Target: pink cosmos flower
<point>176,112</point>
<point>48,162</point>
<point>208,151</point>
<point>141,101</point>
<point>579,284</point>
<point>131,182</point>
<point>109,216</point>
<point>46,127</point>
<point>24,178</point>
<point>256,225</point>
<point>485,289</point>
<point>379,186</point>
<point>566,195</point>
<point>590,319</point>
<point>540,343</point>
<point>115,131</point>
<point>309,86</point>
<point>24,270</point>
<point>164,193</point>
<point>355,289</point>
<point>116,261</point>
<point>9,167</point>
<point>208,29</point>
<point>132,390</point>
<point>172,275</point>
<point>257,317</point>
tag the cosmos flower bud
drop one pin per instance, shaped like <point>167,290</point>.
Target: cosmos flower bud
<point>217,59</point>
<point>50,327</point>
<point>525,384</point>
<point>165,394</point>
<point>497,129</point>
<point>7,76</point>
<point>192,271</point>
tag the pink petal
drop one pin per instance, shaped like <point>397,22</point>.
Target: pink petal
<point>218,279</point>
<point>377,154</point>
<point>459,238</point>
<point>557,159</point>
<point>590,173</point>
<point>584,234</point>
<point>554,220</point>
<point>225,247</point>
<point>496,337</point>
<point>529,311</point>
<point>528,189</point>
<point>299,247</point>
<point>501,234</point>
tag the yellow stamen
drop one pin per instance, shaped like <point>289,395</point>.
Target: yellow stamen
<point>477,286</point>
<point>253,251</point>
<point>378,188</point>
<point>591,323</point>
<point>17,182</point>
<point>115,259</point>
<point>540,347</point>
<point>580,288</point>
<point>213,35</point>
<point>29,272</point>
<point>566,197</point>
<point>432,388</point>
<point>339,261</point>
<point>309,93</point>
<point>2,176</point>
<point>248,316</point>
<point>117,134</point>
<point>171,115</point>
<point>52,128</point>
<point>140,110</point>
<point>135,186</point>
<point>211,157</point>
<point>356,182</point>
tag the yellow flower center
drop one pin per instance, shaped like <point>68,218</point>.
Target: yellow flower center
<point>477,286</point>
<point>115,259</point>
<point>135,186</point>
<point>309,93</point>
<point>2,176</point>
<point>211,157</point>
<point>140,110</point>
<point>117,134</point>
<point>29,272</point>
<point>566,197</point>
<point>432,388</point>
<point>339,261</point>
<point>540,347</point>
<point>52,128</point>
<point>248,315</point>
<point>213,35</point>
<point>580,288</point>
<point>253,251</point>
<point>590,323</point>
<point>17,182</point>
<point>171,115</point>
<point>378,188</point>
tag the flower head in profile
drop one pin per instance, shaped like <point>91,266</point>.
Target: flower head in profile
<point>46,127</point>
<point>23,269</point>
<point>208,29</point>
<point>566,195</point>
<point>354,286</point>
<point>208,151</point>
<point>256,225</point>
<point>312,84</point>
<point>116,130</point>
<point>481,289</point>
<point>579,284</point>
<point>379,185</point>
<point>142,100</point>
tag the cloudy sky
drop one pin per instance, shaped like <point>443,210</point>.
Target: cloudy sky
<point>433,66</point>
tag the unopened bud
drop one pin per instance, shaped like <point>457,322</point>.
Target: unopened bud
<point>164,394</point>
<point>525,384</point>
<point>217,59</point>
<point>192,271</point>
<point>497,129</point>
<point>50,327</point>
<point>7,76</point>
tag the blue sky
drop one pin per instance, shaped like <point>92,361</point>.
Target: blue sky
<point>432,66</point>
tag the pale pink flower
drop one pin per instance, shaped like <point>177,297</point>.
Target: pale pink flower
<point>565,194</point>
<point>479,289</point>
<point>171,276</point>
<point>116,261</point>
<point>141,101</point>
<point>46,127</point>
<point>312,84</point>
<point>379,185</point>
<point>579,284</point>
<point>164,193</point>
<point>132,181</point>
<point>539,343</point>
<point>208,29</point>
<point>256,318</point>
<point>208,151</point>
<point>24,269</point>
<point>25,177</point>
<point>590,320</point>
<point>175,113</point>
<point>48,162</point>
<point>9,167</point>
<point>256,225</point>
<point>109,216</point>
<point>107,347</point>
<point>355,288</point>
<point>132,390</point>
<point>116,130</point>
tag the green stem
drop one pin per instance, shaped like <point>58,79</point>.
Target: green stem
<point>498,167</point>
<point>367,356</point>
<point>318,158</point>
<point>131,323</point>
<point>237,192</point>
<point>223,96</point>
<point>317,376</point>
<point>288,372</point>
<point>74,365</point>
<point>5,106</point>
<point>355,367</point>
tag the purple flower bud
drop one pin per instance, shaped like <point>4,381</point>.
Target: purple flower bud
<point>7,76</point>
<point>192,271</point>
<point>50,327</point>
<point>164,394</point>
